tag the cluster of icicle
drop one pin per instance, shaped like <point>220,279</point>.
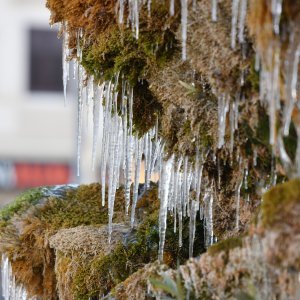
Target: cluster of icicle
<point>271,79</point>
<point>269,71</point>
<point>10,289</point>
<point>179,179</point>
<point>121,152</point>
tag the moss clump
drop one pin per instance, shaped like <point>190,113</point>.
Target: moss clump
<point>226,245</point>
<point>81,206</point>
<point>146,108</point>
<point>21,204</point>
<point>36,215</point>
<point>119,51</point>
<point>277,202</point>
<point>103,273</point>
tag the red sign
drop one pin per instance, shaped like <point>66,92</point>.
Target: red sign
<point>33,175</point>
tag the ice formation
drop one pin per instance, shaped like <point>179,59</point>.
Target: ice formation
<point>11,290</point>
<point>214,10</point>
<point>184,16</point>
<point>182,192</point>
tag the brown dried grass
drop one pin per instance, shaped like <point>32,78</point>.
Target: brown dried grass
<point>87,240</point>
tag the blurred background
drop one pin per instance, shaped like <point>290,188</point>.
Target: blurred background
<point>37,131</point>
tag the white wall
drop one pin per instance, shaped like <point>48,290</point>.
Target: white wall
<point>35,127</point>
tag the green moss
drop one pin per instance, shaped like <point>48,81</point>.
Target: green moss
<point>225,245</point>
<point>119,51</point>
<point>146,108</point>
<point>253,77</point>
<point>21,203</point>
<point>263,128</point>
<point>277,202</point>
<point>126,259</point>
<point>81,206</point>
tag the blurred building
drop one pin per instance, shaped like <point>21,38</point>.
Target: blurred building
<point>37,132</point>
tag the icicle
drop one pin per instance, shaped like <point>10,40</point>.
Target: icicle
<point>106,137</point>
<point>149,8</point>
<point>236,111</point>
<point>232,127</point>
<point>237,202</point>
<point>121,11</point>
<point>297,159</point>
<point>10,289</point>
<point>189,183</point>
<point>254,157</point>
<point>79,116</point>
<point>128,153</point>
<point>116,133</point>
<point>208,201</point>
<point>276,9</point>
<point>97,112</point>
<point>138,159</point>
<point>155,156</point>
<point>223,105</point>
<point>165,181</point>
<point>172,8</point>
<point>194,5</point>
<point>199,180</point>
<point>65,61</point>
<point>184,16</point>
<point>193,214</point>
<point>184,195</point>
<point>134,16</point>
<point>242,19</point>
<point>214,9</point>
<point>287,163</point>
<point>78,46</point>
<point>5,277</point>
<point>246,173</point>
<point>150,157</point>
<point>257,62</point>
<point>198,174</point>
<point>75,68</point>
<point>270,88</point>
<point>111,164</point>
<point>219,173</point>
<point>177,189</point>
<point>235,11</point>
<point>292,80</point>
<point>273,177</point>
<point>171,190</point>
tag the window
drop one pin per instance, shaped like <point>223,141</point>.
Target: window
<point>45,61</point>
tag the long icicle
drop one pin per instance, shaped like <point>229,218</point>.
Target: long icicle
<point>184,16</point>
<point>192,226</point>
<point>165,181</point>
<point>138,159</point>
